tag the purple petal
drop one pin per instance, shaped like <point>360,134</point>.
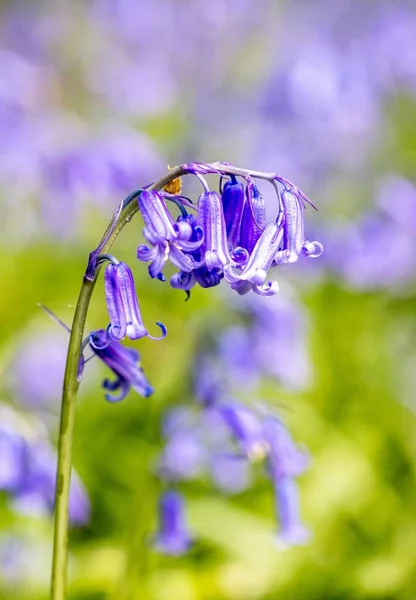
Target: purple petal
<point>211,218</point>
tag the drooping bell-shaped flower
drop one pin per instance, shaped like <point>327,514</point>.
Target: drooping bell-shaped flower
<point>294,243</point>
<point>156,216</point>
<point>124,362</point>
<point>291,531</point>
<point>246,428</point>
<point>168,240</point>
<point>123,305</point>
<point>286,459</point>
<point>233,203</point>
<point>261,259</point>
<point>214,249</point>
<point>253,220</point>
<point>173,537</point>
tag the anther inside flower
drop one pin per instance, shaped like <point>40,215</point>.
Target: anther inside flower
<point>229,237</point>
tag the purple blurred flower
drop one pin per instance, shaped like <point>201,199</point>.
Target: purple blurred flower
<point>231,474</point>
<point>291,531</point>
<point>173,537</point>
<point>37,370</point>
<point>279,339</point>
<point>246,428</point>
<point>378,251</point>
<point>28,469</point>
<point>184,456</point>
<point>124,362</point>
<point>235,349</point>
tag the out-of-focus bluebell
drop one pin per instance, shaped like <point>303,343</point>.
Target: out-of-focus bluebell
<point>28,469</point>
<point>228,443</point>
<point>173,536</point>
<point>378,250</point>
<point>37,370</point>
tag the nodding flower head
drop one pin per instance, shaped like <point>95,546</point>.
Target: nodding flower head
<point>253,219</point>
<point>246,428</point>
<point>157,219</point>
<point>294,243</point>
<point>230,238</point>
<point>168,239</point>
<point>214,249</point>
<point>173,536</point>
<point>233,203</point>
<point>28,469</point>
<point>286,459</point>
<point>123,305</point>
<point>291,530</point>
<point>124,362</point>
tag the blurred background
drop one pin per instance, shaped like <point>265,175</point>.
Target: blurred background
<point>96,98</point>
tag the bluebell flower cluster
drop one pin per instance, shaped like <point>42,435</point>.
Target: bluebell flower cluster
<point>226,236</point>
<point>229,237</point>
<point>28,469</point>
<point>231,444</point>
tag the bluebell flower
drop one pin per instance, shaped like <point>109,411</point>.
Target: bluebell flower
<point>167,239</point>
<point>184,456</point>
<point>284,457</point>
<point>28,469</point>
<point>12,458</point>
<point>254,273</point>
<point>124,362</point>
<point>232,198</point>
<point>291,531</point>
<point>123,305</point>
<point>246,428</point>
<point>214,249</point>
<point>230,473</point>
<point>294,243</point>
<point>253,219</point>
<point>173,537</point>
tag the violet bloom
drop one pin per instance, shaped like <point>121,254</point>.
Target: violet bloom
<point>124,362</point>
<point>173,537</point>
<point>294,243</point>
<point>246,428</point>
<point>291,530</point>
<point>215,253</point>
<point>37,370</point>
<point>166,239</point>
<point>230,473</point>
<point>284,457</point>
<point>183,457</point>
<point>232,198</point>
<point>28,469</point>
<point>123,305</point>
<point>253,218</point>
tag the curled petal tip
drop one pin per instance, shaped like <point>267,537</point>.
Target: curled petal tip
<point>271,288</point>
<point>148,391</point>
<point>164,332</point>
<point>312,249</point>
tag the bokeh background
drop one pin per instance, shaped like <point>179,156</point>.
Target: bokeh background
<point>96,98</point>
